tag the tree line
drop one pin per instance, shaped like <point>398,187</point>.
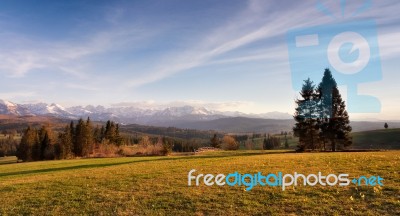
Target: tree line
<point>322,121</point>
<point>80,140</point>
<point>8,145</point>
<point>233,142</point>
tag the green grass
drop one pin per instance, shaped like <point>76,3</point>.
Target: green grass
<point>158,185</point>
<point>377,139</point>
<point>8,160</point>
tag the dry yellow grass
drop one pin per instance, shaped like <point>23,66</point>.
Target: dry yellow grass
<point>158,185</point>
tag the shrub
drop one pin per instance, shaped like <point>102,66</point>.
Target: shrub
<point>167,145</point>
<point>106,150</point>
<point>136,150</point>
<point>229,143</point>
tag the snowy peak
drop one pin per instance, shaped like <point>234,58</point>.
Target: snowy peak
<point>10,108</point>
<point>7,103</point>
<point>129,114</point>
<point>45,109</point>
<point>184,111</point>
<point>56,109</point>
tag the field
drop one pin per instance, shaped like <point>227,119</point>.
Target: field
<point>158,185</point>
<point>8,160</point>
<point>377,139</point>
<point>374,139</point>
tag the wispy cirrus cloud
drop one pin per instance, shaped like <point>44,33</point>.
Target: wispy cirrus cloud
<point>259,22</point>
<point>389,45</point>
<point>250,25</point>
<point>23,54</point>
<point>115,54</point>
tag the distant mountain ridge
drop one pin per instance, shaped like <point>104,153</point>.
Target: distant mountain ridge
<point>186,117</point>
<point>10,108</point>
<point>128,114</point>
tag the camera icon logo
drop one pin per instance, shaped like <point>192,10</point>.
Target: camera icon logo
<point>350,50</point>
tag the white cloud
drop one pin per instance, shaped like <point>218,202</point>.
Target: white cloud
<point>16,94</point>
<point>219,106</point>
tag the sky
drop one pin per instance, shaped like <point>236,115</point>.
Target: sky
<point>228,55</point>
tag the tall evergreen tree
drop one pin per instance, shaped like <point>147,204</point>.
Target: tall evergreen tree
<point>97,135</point>
<point>49,140</point>
<point>89,138</point>
<point>79,138</point>
<point>111,133</point>
<point>108,133</point>
<point>102,133</point>
<point>321,116</point>
<point>117,138</point>
<point>28,141</point>
<point>43,144</point>
<point>72,131</point>
<point>47,147</point>
<point>286,140</point>
<point>117,130</point>
<point>307,112</point>
<point>334,119</point>
<point>76,140</point>
<point>325,94</point>
<point>65,144</point>
<point>215,142</point>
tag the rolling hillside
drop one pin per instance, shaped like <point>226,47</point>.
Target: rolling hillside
<point>260,125</point>
<point>377,139</point>
<point>20,123</point>
<point>241,125</point>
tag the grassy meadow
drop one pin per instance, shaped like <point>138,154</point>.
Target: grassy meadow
<point>158,185</point>
<point>377,139</point>
<point>8,160</point>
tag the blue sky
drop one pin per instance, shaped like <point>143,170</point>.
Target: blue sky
<point>225,55</point>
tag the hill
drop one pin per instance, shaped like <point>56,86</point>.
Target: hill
<point>377,139</point>
<point>134,129</point>
<point>241,125</point>
<point>260,125</point>
<point>371,125</point>
<point>363,136</point>
<point>20,123</point>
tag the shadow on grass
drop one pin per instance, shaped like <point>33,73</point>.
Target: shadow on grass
<point>89,166</point>
<point>83,166</point>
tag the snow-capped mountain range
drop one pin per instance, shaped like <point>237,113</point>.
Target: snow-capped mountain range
<point>127,114</point>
